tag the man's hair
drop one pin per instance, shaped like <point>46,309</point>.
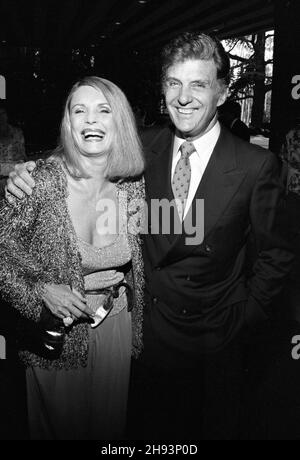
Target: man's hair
<point>125,158</point>
<point>191,45</point>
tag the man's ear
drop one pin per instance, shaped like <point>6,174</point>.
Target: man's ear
<point>223,95</point>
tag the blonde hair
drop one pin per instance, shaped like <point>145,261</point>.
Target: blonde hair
<point>125,158</point>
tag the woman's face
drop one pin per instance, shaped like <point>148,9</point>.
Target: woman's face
<point>92,123</point>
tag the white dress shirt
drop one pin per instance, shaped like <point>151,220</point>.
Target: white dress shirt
<point>199,159</point>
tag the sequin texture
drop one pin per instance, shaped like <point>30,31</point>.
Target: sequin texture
<point>38,245</point>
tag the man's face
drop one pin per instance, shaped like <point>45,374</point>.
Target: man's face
<point>192,94</point>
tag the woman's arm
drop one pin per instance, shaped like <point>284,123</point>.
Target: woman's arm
<point>21,277</point>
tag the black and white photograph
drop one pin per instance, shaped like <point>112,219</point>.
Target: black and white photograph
<point>149,230</point>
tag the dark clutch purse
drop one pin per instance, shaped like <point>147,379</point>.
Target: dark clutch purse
<point>52,334</point>
<point>44,338</point>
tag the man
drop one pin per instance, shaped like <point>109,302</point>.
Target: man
<point>12,145</point>
<point>290,156</point>
<point>230,116</point>
<point>187,383</point>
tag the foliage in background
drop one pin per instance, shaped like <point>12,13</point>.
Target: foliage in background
<point>251,75</point>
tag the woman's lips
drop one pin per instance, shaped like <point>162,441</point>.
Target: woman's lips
<point>92,134</point>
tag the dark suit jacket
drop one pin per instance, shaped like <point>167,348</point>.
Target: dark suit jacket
<point>199,295</point>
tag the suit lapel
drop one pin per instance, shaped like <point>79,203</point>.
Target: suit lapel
<point>158,180</point>
<point>159,166</point>
<point>220,181</point>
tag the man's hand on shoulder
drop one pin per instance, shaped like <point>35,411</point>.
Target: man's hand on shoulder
<point>20,180</point>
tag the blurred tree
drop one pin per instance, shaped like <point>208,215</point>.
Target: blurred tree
<point>252,68</point>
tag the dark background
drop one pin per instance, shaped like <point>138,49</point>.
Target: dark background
<point>46,45</point>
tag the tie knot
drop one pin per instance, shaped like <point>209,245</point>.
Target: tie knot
<point>187,148</point>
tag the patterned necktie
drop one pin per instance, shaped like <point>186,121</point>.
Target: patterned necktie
<point>182,177</point>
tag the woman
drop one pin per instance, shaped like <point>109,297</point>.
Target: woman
<point>66,251</point>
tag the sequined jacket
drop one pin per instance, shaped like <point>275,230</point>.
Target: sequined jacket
<point>38,245</point>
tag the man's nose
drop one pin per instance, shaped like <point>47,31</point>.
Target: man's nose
<point>185,95</point>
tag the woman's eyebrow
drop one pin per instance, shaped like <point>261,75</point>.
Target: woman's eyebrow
<point>172,78</point>
<point>81,104</point>
<point>78,104</point>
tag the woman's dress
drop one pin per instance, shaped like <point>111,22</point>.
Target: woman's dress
<point>89,402</point>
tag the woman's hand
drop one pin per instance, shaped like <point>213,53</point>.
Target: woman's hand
<point>64,303</point>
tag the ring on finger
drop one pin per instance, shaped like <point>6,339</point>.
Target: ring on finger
<point>68,320</point>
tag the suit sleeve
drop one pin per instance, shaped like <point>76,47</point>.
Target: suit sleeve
<point>269,227</point>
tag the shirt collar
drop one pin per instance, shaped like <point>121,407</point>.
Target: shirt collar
<point>203,143</point>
